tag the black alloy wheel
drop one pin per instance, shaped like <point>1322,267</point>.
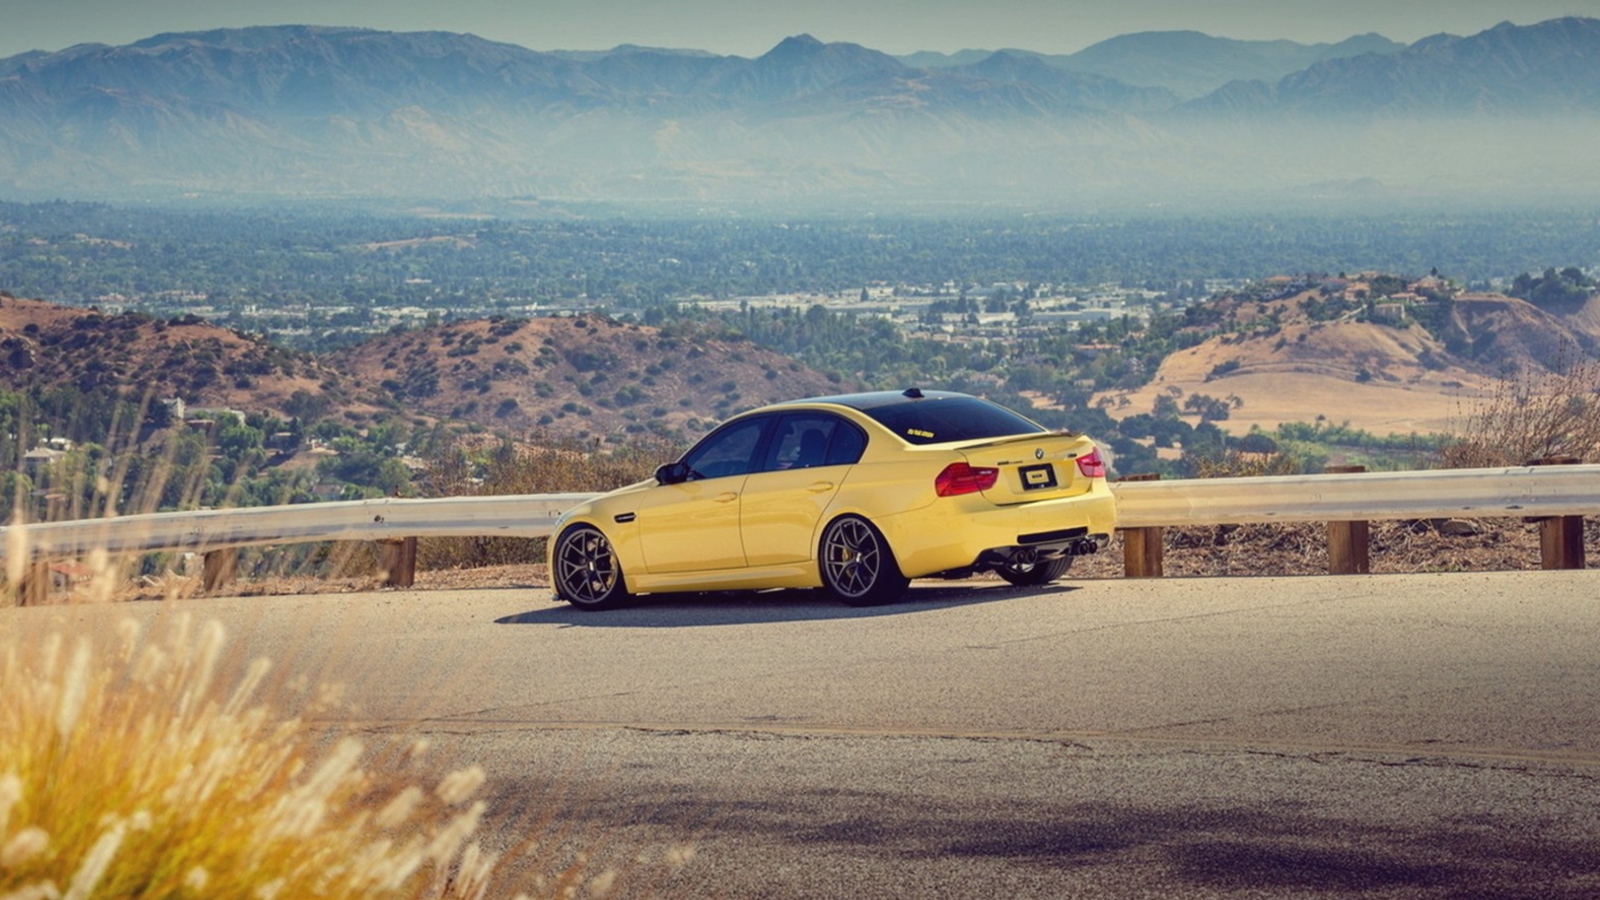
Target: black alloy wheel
<point>587,573</point>
<point>857,565</point>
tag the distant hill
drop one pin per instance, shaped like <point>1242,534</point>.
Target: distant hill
<point>563,377</point>
<point>622,50</point>
<point>1286,354</point>
<point>577,376</point>
<point>1080,89</point>
<point>932,59</point>
<point>300,111</point>
<point>1386,374</point>
<point>1509,70</point>
<point>1190,64</point>
<point>1507,334</point>
<point>46,346</point>
<point>799,66</point>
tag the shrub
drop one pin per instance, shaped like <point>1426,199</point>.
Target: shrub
<point>1236,464</point>
<point>1223,369</point>
<point>566,467</point>
<point>1530,417</point>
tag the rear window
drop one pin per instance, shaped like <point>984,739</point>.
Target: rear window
<point>943,419</point>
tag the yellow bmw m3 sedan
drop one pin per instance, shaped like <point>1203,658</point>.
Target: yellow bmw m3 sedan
<point>857,494</point>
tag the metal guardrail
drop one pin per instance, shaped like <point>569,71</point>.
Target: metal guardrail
<point>530,516</point>
<point>1519,491</point>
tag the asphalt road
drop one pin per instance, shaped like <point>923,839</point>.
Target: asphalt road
<point>1373,736</point>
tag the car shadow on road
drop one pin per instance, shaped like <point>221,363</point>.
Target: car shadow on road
<point>755,607</point>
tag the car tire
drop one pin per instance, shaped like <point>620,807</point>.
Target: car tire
<point>857,565</point>
<point>1036,574</point>
<point>586,572</point>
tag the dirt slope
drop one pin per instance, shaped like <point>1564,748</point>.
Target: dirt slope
<point>1511,335</point>
<point>1376,377</point>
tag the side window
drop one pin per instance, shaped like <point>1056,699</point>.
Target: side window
<point>847,446</point>
<point>730,451</point>
<point>801,442</point>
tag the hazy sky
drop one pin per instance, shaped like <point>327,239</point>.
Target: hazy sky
<point>751,27</point>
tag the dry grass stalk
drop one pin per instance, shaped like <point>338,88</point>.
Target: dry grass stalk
<point>1531,417</point>
<point>135,772</point>
<point>1233,464</point>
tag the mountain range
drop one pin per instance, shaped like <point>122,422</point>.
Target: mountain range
<point>1187,63</point>
<point>1169,118</point>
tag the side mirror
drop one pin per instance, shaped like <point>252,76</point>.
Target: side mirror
<point>672,473</point>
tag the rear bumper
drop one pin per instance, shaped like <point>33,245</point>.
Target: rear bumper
<point>1032,549</point>
<point>967,532</point>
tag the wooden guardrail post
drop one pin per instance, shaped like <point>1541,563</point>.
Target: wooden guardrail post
<point>1349,545</point>
<point>1141,547</point>
<point>1560,537</point>
<point>219,568</point>
<point>398,561</point>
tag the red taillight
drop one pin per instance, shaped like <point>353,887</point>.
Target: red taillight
<point>1092,464</point>
<point>960,478</point>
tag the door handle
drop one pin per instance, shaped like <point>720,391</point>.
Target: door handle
<point>726,497</point>
<point>820,486</point>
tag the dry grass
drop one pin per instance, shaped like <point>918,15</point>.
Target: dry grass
<point>148,769</point>
<point>132,771</point>
<point>1481,545</point>
<point>564,467</point>
<point>1233,464</point>
<point>1531,417</point>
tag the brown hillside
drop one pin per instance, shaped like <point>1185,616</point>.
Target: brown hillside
<point>584,376</point>
<point>567,377</point>
<point>1513,335</point>
<point>1378,377</point>
<point>45,345</point>
<point>1587,318</point>
<point>1374,377</point>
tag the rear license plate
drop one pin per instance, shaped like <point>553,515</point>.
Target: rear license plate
<point>1038,478</point>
